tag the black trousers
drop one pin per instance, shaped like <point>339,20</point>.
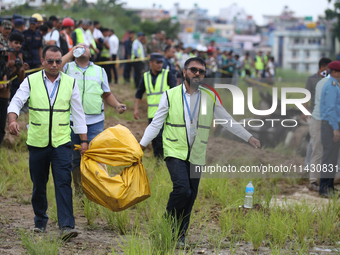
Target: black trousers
<point>60,159</point>
<point>329,158</point>
<point>107,69</point>
<point>113,66</point>
<point>157,144</point>
<point>3,117</point>
<point>184,192</point>
<point>138,68</point>
<point>127,71</point>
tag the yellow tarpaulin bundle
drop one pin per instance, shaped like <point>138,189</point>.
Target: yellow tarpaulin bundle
<point>115,146</point>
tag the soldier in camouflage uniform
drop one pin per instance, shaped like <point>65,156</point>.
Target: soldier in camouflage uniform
<point>6,30</point>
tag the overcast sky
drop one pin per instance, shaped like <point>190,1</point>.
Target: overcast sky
<point>256,8</point>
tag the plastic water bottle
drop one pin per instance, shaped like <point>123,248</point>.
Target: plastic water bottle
<point>248,201</point>
<point>78,52</point>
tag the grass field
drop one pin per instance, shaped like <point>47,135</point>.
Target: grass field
<point>218,225</point>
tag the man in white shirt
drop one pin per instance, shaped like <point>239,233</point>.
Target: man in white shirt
<point>52,95</point>
<point>185,138</point>
<point>114,46</point>
<point>52,36</point>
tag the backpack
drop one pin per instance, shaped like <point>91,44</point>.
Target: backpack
<point>63,44</point>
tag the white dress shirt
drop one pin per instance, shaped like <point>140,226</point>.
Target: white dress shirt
<point>53,35</point>
<point>114,44</point>
<point>163,109</point>
<point>23,93</point>
<point>97,34</point>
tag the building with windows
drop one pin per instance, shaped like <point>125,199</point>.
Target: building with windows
<point>301,49</point>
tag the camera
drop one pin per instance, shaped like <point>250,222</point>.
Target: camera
<point>3,61</point>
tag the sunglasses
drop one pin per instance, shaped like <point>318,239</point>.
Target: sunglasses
<point>51,61</point>
<point>194,70</point>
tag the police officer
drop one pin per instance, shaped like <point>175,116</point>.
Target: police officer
<point>330,134</point>
<point>154,82</point>
<point>32,48</point>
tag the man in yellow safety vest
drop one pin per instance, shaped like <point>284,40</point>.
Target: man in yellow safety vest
<point>154,83</point>
<point>53,96</point>
<point>185,137</point>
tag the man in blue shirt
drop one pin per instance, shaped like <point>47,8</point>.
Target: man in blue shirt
<point>330,134</point>
<point>33,45</point>
<point>128,46</point>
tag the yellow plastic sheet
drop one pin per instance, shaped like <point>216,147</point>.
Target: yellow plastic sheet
<point>115,146</point>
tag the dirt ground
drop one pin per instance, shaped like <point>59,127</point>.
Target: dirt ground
<point>15,215</point>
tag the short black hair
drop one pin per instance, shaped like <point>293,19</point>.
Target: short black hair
<point>49,24</point>
<point>237,56</point>
<point>132,32</point>
<point>324,62</point>
<point>195,59</point>
<point>53,48</point>
<point>272,59</point>
<point>53,18</point>
<point>247,53</point>
<point>112,31</point>
<point>96,22</point>
<point>16,37</point>
<point>168,37</point>
<point>168,47</point>
<point>43,28</point>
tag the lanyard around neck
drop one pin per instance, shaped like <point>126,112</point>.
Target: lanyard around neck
<point>188,108</point>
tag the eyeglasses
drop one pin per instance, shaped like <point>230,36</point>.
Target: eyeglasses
<point>194,70</point>
<point>51,61</point>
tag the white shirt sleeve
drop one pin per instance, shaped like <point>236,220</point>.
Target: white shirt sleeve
<point>232,125</point>
<point>105,85</point>
<point>78,115</point>
<point>158,120</point>
<point>55,37</point>
<point>19,98</point>
<point>114,44</point>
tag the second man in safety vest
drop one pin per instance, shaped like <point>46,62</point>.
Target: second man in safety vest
<point>154,82</point>
<point>94,88</point>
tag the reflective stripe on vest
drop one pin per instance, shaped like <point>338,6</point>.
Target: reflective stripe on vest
<point>49,125</point>
<point>259,65</point>
<point>89,84</point>
<point>140,50</point>
<point>175,139</point>
<point>154,94</point>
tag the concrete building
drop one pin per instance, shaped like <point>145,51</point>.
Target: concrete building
<point>301,49</point>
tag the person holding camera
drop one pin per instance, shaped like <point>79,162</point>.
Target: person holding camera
<point>15,65</point>
<point>10,65</point>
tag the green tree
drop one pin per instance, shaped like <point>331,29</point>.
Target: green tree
<point>335,16</point>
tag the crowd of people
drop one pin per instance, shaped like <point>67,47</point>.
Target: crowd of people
<point>72,110</point>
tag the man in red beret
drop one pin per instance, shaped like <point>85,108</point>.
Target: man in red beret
<point>330,134</point>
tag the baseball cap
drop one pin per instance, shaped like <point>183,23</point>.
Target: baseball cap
<point>33,20</point>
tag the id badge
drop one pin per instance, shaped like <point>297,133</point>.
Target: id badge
<point>193,129</point>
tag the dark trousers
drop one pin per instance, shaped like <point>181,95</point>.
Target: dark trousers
<point>184,192</point>
<point>157,144</point>
<point>138,68</point>
<point>60,159</point>
<point>92,131</point>
<point>107,69</point>
<point>127,71</point>
<point>3,117</point>
<point>113,66</point>
<point>329,158</point>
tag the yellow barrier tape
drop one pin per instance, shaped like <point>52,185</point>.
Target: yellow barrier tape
<point>97,63</point>
<point>121,61</point>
